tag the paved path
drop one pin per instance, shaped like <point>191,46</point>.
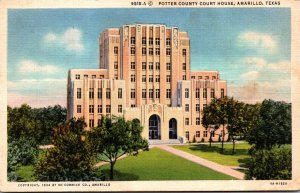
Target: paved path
<point>212,165</point>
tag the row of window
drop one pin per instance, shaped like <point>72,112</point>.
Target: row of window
<point>150,41</point>
<point>99,93</point>
<point>187,107</point>
<point>206,77</point>
<point>150,51</point>
<point>150,66</point>
<point>187,121</point>
<point>99,109</point>
<point>187,134</point>
<point>77,76</point>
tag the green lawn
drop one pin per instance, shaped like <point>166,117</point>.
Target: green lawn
<point>25,174</point>
<point>157,164</point>
<point>214,153</point>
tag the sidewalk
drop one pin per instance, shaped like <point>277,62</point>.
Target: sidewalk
<point>212,165</point>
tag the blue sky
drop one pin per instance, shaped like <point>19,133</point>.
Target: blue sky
<point>249,47</point>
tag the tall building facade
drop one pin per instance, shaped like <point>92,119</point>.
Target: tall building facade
<point>145,74</point>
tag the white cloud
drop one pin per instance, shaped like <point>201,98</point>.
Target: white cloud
<point>282,66</point>
<point>29,66</point>
<point>70,40</point>
<point>251,75</point>
<point>258,40</point>
<point>254,61</point>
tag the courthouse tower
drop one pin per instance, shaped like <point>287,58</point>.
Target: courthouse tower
<point>145,74</point>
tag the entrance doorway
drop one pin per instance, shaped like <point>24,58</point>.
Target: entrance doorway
<point>172,129</point>
<point>154,127</point>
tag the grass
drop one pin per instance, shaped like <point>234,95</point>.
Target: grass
<point>214,154</point>
<point>157,164</point>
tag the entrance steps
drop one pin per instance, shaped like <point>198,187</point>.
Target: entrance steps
<point>169,141</point>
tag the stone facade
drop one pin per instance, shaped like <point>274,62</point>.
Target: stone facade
<point>145,74</point>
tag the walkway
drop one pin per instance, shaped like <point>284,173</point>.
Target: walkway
<point>212,165</point>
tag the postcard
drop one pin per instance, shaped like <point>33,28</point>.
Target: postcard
<point>149,95</point>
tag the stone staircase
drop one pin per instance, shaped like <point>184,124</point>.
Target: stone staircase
<point>158,142</point>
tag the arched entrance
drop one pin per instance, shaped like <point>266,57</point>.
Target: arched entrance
<point>154,127</point>
<point>172,129</point>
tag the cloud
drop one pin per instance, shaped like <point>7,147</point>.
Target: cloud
<point>251,75</point>
<point>37,92</point>
<point>70,40</point>
<point>282,66</point>
<point>29,66</point>
<point>254,92</point>
<point>254,61</point>
<point>258,40</point>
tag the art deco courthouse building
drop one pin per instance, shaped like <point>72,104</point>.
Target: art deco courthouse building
<point>145,74</point>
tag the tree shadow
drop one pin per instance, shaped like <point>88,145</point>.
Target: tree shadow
<point>226,151</point>
<point>244,162</point>
<point>119,176</point>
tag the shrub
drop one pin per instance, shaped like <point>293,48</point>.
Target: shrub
<point>202,140</point>
<point>273,164</point>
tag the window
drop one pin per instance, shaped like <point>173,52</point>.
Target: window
<point>120,109</point>
<point>150,41</point>
<point>144,65</point>
<point>168,51</point>
<point>197,107</point>
<point>197,93</point>
<point>204,106</point>
<point>107,108</point>
<point>168,78</point>
<point>184,52</point>
<point>197,133</point>
<point>206,77</point>
<point>157,78</point>
<point>132,40</point>
<point>168,93</point>
<point>150,78</point>
<point>91,123</point>
<point>151,93</point>
<point>205,93</point>
<point>184,77</point>
<point>199,77</point>
<point>99,108</point>
<point>157,93</point>
<point>79,93</point>
<point>132,65</point>
<point>222,93</point>
<point>187,107</point>
<point>91,93</point>
<point>78,108</point>
<point>187,135</point>
<point>186,93</point>
<point>132,94</point>
<point>108,93</point>
<point>204,133</point>
<point>132,105</point>
<point>132,50</point>
<point>157,51</point>
<point>168,41</point>
<point>93,76</point>
<point>197,121</point>
<point>144,40</point>
<point>132,78</point>
<point>212,93</point>
<point>157,66</point>
<point>144,78</point>
<point>183,66</point>
<point>157,41</point>
<point>144,51</point>
<point>119,93</point>
<point>101,76</point>
<point>168,65</point>
<point>144,93</point>
<point>115,65</point>
<point>86,76</point>
<point>150,65</point>
<point>150,51</point>
<point>77,76</point>
<point>115,50</point>
<point>91,108</point>
<point>99,121</point>
<point>99,93</point>
<point>214,77</point>
<point>187,121</point>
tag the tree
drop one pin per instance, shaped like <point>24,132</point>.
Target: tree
<point>70,158</point>
<point>209,120</point>
<point>271,164</point>
<point>115,137</point>
<point>273,126</point>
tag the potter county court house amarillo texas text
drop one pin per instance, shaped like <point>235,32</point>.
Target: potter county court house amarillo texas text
<point>145,74</point>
